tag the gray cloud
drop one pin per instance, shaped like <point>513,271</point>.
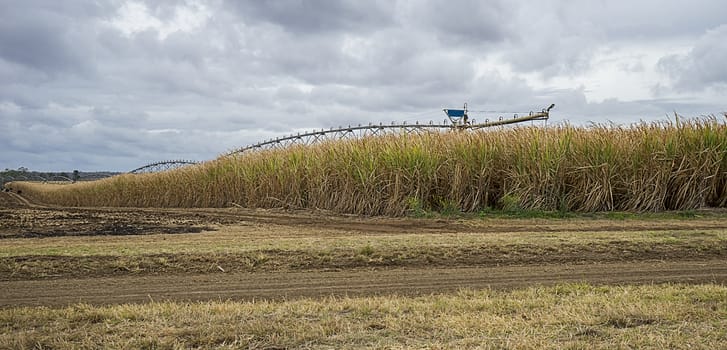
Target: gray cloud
<point>47,36</point>
<point>703,67</point>
<point>310,18</point>
<point>468,22</point>
<point>560,37</point>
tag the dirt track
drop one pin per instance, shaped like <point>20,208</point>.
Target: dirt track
<point>681,256</point>
<point>351,283</point>
<point>22,219</point>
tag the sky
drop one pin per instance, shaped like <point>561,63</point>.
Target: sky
<point>113,85</point>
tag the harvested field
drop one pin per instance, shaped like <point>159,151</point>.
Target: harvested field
<point>110,270</point>
<point>51,246</point>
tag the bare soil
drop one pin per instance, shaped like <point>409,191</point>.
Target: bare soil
<point>61,279</point>
<point>287,285</point>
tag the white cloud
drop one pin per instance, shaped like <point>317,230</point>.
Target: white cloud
<point>134,17</point>
<point>8,108</point>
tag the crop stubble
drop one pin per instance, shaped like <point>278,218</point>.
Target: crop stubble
<point>56,256</point>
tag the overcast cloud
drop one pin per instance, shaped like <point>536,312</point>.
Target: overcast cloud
<point>112,85</point>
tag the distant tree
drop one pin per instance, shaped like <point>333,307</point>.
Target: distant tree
<point>75,176</point>
<point>23,169</point>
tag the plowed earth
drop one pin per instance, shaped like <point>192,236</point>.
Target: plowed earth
<point>57,256</point>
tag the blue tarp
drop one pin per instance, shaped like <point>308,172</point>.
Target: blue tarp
<point>454,112</point>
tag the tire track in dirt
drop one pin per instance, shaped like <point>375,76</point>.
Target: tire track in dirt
<point>12,200</point>
<point>290,285</point>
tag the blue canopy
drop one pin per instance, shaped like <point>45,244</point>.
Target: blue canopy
<point>452,113</point>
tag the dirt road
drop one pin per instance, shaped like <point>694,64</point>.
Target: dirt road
<point>247,286</point>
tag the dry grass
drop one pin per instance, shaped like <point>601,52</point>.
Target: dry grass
<point>647,167</point>
<point>497,234</point>
<point>565,316</point>
<point>291,248</point>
